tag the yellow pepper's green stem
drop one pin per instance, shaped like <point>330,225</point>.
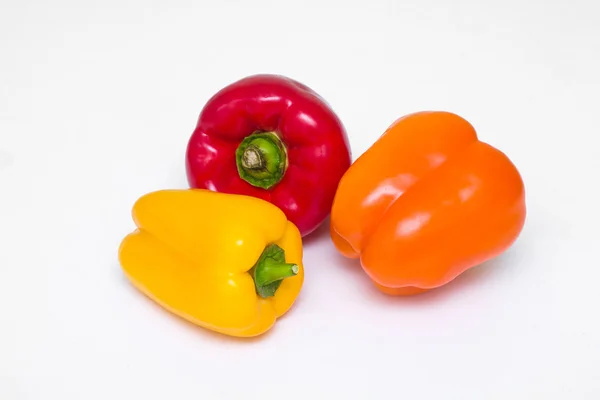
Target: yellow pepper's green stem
<point>261,159</point>
<point>270,270</point>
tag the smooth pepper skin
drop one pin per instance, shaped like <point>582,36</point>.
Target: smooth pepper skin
<point>427,202</point>
<point>316,151</point>
<point>193,252</point>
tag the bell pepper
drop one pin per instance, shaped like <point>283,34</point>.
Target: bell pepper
<point>228,263</point>
<point>426,202</point>
<point>271,137</point>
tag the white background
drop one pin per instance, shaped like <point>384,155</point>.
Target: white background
<point>98,100</point>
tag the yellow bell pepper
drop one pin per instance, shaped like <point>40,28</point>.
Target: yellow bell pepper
<point>226,262</point>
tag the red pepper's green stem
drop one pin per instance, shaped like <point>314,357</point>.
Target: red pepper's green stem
<point>261,159</point>
<point>270,270</point>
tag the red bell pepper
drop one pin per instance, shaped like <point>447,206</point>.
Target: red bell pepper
<point>271,137</point>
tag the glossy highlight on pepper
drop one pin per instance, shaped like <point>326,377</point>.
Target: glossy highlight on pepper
<point>225,262</point>
<point>426,202</point>
<point>271,137</point>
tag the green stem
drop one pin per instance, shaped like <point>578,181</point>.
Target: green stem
<point>270,270</point>
<point>261,159</point>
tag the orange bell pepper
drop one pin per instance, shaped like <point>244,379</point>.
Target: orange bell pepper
<point>427,202</point>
